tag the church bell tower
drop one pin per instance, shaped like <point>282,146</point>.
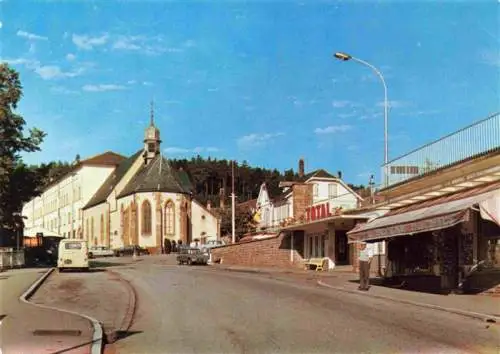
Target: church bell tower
<point>151,139</point>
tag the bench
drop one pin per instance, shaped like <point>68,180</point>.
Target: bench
<point>319,263</point>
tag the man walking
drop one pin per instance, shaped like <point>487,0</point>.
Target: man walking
<point>365,258</point>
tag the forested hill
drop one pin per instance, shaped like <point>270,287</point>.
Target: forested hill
<point>209,175</point>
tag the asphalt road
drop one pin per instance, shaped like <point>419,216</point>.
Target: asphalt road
<point>184,309</point>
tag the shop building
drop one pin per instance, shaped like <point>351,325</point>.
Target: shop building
<point>443,222</point>
<point>314,195</point>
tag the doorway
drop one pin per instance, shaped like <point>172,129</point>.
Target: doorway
<point>341,248</point>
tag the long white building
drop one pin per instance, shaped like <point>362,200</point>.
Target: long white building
<point>58,211</point>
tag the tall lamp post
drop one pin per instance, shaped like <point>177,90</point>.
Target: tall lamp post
<point>346,57</point>
<point>233,206</point>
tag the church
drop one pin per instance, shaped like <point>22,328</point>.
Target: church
<point>111,200</point>
<point>145,201</point>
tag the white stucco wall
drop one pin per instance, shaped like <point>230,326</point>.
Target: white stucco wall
<point>203,222</point>
<point>95,214</point>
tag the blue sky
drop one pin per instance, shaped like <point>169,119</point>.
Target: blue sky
<point>252,80</point>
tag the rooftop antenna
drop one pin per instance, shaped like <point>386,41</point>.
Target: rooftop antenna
<point>371,185</point>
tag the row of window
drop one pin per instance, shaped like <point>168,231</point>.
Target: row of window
<point>64,219</point>
<point>146,221</point>
<point>168,218</point>
<point>280,214</point>
<point>70,234</point>
<point>90,228</point>
<point>332,190</point>
<point>64,200</point>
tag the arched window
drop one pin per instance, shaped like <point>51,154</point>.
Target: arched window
<point>146,218</point>
<point>169,218</point>
<point>102,229</point>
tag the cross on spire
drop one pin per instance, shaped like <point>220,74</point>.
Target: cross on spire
<point>152,116</point>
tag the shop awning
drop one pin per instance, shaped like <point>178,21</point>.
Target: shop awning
<point>33,231</point>
<point>437,214</point>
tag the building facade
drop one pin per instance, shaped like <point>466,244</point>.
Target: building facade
<point>311,209</point>
<point>444,219</point>
<point>301,199</point>
<point>114,201</point>
<point>58,211</point>
<point>145,202</point>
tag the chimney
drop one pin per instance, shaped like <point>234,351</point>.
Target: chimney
<point>301,168</point>
<point>209,205</point>
<point>339,173</point>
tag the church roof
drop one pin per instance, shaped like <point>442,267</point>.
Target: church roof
<point>110,183</point>
<point>158,176</point>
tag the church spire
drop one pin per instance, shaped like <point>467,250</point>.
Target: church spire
<point>151,138</point>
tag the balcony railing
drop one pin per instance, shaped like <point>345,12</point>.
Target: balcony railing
<point>474,140</point>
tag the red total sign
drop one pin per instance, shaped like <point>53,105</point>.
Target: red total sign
<point>317,212</point>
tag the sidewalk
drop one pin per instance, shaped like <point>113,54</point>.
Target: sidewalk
<point>343,279</point>
<point>482,306</point>
<point>27,329</point>
<point>340,271</point>
<point>101,294</point>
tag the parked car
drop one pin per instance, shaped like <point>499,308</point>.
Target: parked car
<point>211,244</point>
<point>190,255</point>
<point>72,254</point>
<point>129,251</point>
<point>100,251</point>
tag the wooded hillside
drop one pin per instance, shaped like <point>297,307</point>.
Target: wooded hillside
<point>209,176</point>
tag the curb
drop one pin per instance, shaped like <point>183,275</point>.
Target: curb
<point>97,337</point>
<point>333,274</point>
<point>129,315</point>
<point>475,315</point>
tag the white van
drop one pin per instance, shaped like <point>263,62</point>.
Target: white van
<point>72,254</point>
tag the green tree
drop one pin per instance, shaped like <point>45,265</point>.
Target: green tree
<point>244,222</point>
<point>17,181</point>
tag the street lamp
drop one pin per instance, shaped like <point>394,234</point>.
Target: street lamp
<point>19,225</point>
<point>346,57</point>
